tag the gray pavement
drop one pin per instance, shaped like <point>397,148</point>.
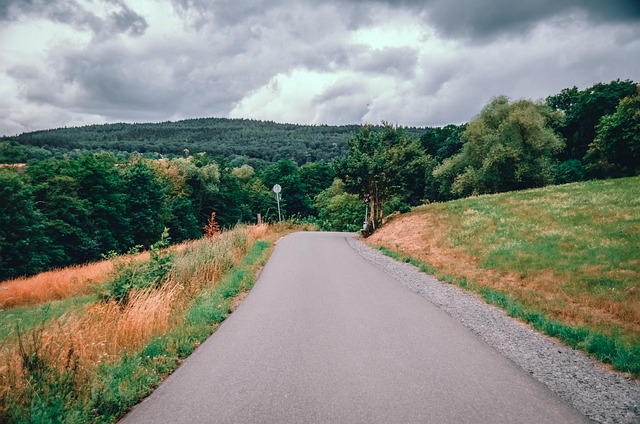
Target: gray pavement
<point>325,337</point>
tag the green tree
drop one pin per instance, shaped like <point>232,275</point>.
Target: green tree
<point>339,210</point>
<point>229,201</point>
<point>295,199</point>
<point>615,152</point>
<point>442,143</point>
<point>68,217</point>
<point>24,246</point>
<point>316,176</point>
<point>100,185</point>
<point>509,146</point>
<point>382,164</point>
<point>146,205</point>
<point>582,110</point>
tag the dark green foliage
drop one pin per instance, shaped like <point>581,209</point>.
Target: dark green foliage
<point>442,143</point>
<point>571,170</point>
<point>145,206</point>
<point>182,223</point>
<point>229,200</point>
<point>241,140</point>
<point>14,152</point>
<point>615,152</point>
<point>583,110</point>
<point>384,164</point>
<point>296,201</point>
<point>338,210</point>
<point>25,247</point>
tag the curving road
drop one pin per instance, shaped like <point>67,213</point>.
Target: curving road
<point>324,337</point>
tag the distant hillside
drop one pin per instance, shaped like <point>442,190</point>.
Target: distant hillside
<point>236,139</point>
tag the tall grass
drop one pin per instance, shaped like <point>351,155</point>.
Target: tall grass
<point>92,364</point>
<point>53,285</point>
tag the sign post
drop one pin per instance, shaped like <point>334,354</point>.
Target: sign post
<point>277,189</point>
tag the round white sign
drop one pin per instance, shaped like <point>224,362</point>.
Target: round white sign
<point>277,188</point>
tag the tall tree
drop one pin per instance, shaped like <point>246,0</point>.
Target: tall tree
<point>615,152</point>
<point>68,216</point>
<point>295,198</point>
<point>381,164</point>
<point>339,210</point>
<point>583,109</point>
<point>24,246</point>
<point>442,143</point>
<point>146,206</point>
<point>509,146</point>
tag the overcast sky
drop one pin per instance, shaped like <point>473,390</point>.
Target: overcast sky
<point>407,62</point>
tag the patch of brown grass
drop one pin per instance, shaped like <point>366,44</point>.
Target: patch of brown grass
<point>53,285</point>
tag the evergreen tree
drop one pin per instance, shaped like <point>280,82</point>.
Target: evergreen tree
<point>146,207</point>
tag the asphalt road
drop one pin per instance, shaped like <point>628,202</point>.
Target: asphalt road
<point>324,337</point>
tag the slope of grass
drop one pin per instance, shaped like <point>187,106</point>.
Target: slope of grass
<point>566,257</point>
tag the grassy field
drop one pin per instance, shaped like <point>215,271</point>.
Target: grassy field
<point>566,255</point>
<point>90,357</point>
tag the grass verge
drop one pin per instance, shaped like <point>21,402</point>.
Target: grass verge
<point>610,349</point>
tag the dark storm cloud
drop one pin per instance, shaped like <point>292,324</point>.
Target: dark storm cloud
<point>470,18</point>
<point>491,18</point>
<point>70,12</point>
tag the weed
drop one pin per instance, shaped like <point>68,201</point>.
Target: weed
<point>133,275</point>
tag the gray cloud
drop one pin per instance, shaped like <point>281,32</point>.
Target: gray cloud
<point>487,19</point>
<point>400,61</point>
<point>194,58</point>
<point>72,13</point>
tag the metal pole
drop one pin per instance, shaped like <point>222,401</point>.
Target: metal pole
<point>278,200</point>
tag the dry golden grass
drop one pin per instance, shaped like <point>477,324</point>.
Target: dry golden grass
<point>101,333</point>
<point>59,284</point>
<point>53,285</point>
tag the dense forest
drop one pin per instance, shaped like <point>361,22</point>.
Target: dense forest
<point>88,191</point>
<point>241,141</point>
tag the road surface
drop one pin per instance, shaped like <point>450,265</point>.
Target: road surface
<point>324,337</point>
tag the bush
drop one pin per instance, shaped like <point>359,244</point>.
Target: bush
<point>131,274</point>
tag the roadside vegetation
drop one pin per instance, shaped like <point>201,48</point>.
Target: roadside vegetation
<point>91,357</point>
<point>561,258</point>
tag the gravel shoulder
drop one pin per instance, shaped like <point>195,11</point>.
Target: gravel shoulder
<point>602,395</point>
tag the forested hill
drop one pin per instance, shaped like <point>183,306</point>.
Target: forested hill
<point>235,139</point>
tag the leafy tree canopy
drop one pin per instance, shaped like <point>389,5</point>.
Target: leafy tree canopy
<point>615,152</point>
<point>583,109</point>
<point>509,146</point>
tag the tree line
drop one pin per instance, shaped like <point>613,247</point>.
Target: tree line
<point>58,212</point>
<point>511,145</point>
<point>241,141</point>
<point>75,207</point>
